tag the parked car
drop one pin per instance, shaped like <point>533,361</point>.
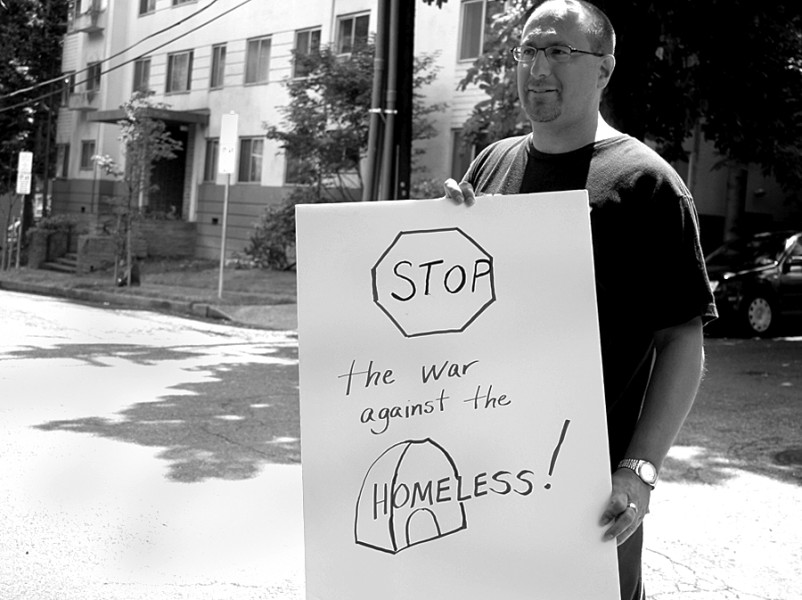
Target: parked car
<point>756,280</point>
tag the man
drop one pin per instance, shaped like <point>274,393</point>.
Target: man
<point>652,288</point>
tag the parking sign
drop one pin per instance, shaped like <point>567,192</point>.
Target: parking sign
<point>24,168</point>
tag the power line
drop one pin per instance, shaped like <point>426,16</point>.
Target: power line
<point>122,64</point>
<point>113,56</point>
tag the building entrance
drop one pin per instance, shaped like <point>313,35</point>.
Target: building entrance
<point>166,199</point>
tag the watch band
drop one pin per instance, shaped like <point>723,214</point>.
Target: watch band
<point>645,470</point>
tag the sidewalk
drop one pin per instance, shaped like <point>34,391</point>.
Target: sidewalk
<point>252,297</point>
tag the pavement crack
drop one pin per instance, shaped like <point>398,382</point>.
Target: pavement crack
<point>235,443</point>
<point>687,582</point>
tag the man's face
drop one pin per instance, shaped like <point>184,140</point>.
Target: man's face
<point>560,94</point>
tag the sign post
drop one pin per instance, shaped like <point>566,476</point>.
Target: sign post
<point>227,160</point>
<point>24,170</point>
<point>452,406</point>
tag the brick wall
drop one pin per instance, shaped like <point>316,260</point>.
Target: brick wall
<point>165,238</point>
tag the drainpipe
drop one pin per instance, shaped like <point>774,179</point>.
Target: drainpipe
<point>374,158</point>
<point>389,153</point>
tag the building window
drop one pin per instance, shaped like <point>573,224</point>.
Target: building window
<point>73,12</point>
<point>352,32</point>
<point>92,77</point>
<point>475,17</point>
<point>218,66</point>
<point>250,160</point>
<point>142,75</point>
<point>146,6</point>
<point>306,43</point>
<point>179,71</point>
<point>87,152</point>
<point>210,165</point>
<point>68,89</point>
<point>257,60</point>
<point>177,2</point>
<point>461,154</point>
<point>62,160</point>
<point>295,167</point>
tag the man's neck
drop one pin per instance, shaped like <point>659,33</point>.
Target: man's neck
<point>551,141</point>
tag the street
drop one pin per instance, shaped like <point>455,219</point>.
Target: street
<point>147,456</point>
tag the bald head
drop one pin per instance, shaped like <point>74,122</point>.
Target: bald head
<point>592,21</point>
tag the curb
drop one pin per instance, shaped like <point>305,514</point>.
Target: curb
<point>196,309</point>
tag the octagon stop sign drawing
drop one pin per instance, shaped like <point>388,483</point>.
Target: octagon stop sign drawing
<point>433,281</point>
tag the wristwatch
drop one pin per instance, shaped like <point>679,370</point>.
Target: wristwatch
<point>643,469</point>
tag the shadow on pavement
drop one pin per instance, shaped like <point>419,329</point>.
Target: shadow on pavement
<point>746,417</point>
<point>94,354</point>
<point>226,428</point>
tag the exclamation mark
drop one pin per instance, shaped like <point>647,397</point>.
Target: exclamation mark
<point>557,450</point>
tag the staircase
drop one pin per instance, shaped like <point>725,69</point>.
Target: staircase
<point>66,264</point>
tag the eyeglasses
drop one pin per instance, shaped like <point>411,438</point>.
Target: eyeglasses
<point>554,54</point>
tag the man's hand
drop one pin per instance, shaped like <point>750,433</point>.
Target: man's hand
<point>629,504</point>
<point>461,193</point>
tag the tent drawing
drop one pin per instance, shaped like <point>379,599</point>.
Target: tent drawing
<point>399,503</point>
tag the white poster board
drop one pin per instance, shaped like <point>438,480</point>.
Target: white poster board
<point>452,415</point>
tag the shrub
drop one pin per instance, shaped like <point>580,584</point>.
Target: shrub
<point>274,235</point>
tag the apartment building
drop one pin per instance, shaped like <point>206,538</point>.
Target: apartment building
<point>206,58</point>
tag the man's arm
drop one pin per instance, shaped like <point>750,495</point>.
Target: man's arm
<point>672,389</point>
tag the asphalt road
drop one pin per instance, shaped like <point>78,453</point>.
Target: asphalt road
<point>145,456</point>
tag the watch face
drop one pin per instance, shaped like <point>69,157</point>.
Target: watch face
<point>647,472</point>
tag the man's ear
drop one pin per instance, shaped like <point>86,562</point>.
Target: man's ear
<point>606,68</point>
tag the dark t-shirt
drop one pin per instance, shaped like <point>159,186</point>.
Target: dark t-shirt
<point>648,261</point>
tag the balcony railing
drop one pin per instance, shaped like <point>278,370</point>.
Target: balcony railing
<point>92,20</point>
<point>83,101</point>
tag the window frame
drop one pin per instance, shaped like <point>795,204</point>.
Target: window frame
<point>312,47</point>
<point>247,170</point>
<point>171,58</point>
<point>353,42</point>
<point>93,76</point>
<point>142,83</point>
<point>68,89</point>
<point>147,7</point>
<point>253,72</point>
<point>211,160</point>
<point>465,53</point>
<point>291,164</point>
<point>85,162</point>
<point>62,161</point>
<point>217,73</point>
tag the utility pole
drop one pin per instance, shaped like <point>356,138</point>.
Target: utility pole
<point>390,138</point>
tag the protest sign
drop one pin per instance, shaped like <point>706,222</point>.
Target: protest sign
<point>452,414</point>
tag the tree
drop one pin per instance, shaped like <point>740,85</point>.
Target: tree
<point>31,35</point>
<point>144,141</point>
<point>678,74</point>
<point>325,136</point>
<point>737,75</point>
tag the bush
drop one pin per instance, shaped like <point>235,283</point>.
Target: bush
<point>58,222</point>
<point>274,236</point>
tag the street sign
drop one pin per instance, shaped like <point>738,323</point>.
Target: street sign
<point>24,168</point>
<point>227,159</point>
<point>23,183</point>
<point>25,162</point>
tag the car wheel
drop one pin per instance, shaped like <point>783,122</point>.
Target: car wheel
<point>759,316</point>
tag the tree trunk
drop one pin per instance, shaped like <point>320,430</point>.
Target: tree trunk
<point>736,201</point>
